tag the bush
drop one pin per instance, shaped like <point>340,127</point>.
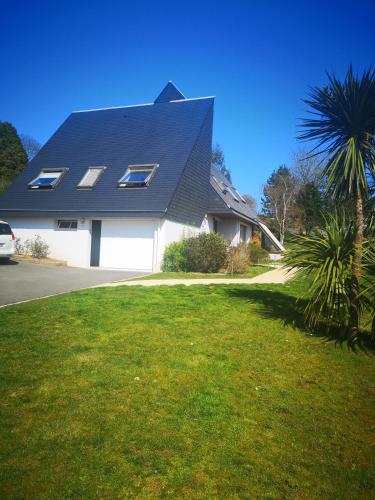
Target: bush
<point>37,248</point>
<point>256,254</point>
<point>20,250</point>
<point>238,260</point>
<point>174,259</point>
<point>205,253</point>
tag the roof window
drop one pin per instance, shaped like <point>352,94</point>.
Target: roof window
<point>91,177</point>
<point>233,193</point>
<point>137,176</point>
<point>48,178</point>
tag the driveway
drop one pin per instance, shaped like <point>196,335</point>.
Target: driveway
<point>21,281</point>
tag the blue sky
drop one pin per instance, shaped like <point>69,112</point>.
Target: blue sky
<point>258,58</point>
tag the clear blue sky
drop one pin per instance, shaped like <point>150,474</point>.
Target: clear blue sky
<point>258,58</point>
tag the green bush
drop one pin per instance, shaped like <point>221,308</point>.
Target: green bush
<point>238,260</point>
<point>256,253</point>
<point>206,253</point>
<point>174,259</point>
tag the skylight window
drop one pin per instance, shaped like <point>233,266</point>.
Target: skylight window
<point>220,184</point>
<point>232,192</point>
<point>47,179</point>
<point>91,177</point>
<point>137,176</point>
<point>241,197</point>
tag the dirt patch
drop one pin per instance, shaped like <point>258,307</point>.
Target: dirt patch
<point>44,261</point>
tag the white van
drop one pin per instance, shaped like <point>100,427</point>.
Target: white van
<point>7,241</point>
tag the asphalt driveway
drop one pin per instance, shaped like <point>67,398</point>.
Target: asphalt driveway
<point>21,281</point>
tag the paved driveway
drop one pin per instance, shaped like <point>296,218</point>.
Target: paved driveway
<point>23,281</point>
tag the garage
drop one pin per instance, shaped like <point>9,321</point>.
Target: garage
<point>127,244</point>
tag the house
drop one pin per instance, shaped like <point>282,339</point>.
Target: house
<point>113,187</point>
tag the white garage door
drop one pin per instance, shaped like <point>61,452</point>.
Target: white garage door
<point>127,244</point>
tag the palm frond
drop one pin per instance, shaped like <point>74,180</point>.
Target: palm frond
<point>343,127</point>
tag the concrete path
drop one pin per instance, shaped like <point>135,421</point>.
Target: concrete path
<point>275,276</point>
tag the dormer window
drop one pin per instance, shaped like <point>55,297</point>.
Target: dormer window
<point>48,178</point>
<point>137,176</point>
<point>91,177</point>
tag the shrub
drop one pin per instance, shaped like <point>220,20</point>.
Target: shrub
<point>37,248</point>
<point>20,250</point>
<point>256,253</point>
<point>326,256</point>
<point>206,253</point>
<point>174,259</point>
<point>238,260</point>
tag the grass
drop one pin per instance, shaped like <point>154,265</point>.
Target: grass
<point>253,271</point>
<point>181,392</point>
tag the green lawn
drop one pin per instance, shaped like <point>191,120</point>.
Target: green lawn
<point>180,392</point>
<point>253,271</point>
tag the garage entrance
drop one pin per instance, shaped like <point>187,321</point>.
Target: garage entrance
<point>127,244</point>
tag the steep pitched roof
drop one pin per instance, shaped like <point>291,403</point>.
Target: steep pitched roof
<point>169,93</point>
<point>164,133</point>
<point>224,198</point>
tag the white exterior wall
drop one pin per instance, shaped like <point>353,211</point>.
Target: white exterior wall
<point>70,246</point>
<point>229,228</point>
<point>74,246</point>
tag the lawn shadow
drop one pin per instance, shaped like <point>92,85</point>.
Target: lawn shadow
<point>287,308</point>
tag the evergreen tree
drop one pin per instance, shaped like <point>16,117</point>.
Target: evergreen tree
<point>312,202</point>
<point>13,157</point>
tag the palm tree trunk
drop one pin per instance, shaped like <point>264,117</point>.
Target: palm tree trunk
<point>357,267</point>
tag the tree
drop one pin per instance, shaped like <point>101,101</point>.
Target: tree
<point>218,161</point>
<point>311,202</point>
<point>31,145</point>
<point>13,156</point>
<point>307,168</point>
<point>278,198</point>
<point>343,127</point>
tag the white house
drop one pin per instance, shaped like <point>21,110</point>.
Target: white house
<point>113,187</point>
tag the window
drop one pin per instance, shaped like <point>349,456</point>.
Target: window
<point>220,184</point>
<point>243,231</point>
<point>91,177</point>
<point>47,179</point>
<point>233,194</point>
<point>66,225</point>
<point>241,197</point>
<point>137,176</point>
<point>5,229</point>
<point>216,226</point>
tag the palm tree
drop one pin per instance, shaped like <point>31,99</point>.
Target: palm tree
<point>326,256</point>
<point>343,126</point>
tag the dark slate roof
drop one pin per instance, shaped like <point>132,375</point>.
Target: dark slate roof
<point>169,93</point>
<point>164,133</point>
<point>223,202</point>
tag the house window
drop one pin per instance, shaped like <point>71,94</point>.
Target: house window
<point>137,176</point>
<point>216,226</point>
<point>66,225</point>
<point>47,179</point>
<point>91,177</point>
<point>233,194</point>
<point>243,231</point>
